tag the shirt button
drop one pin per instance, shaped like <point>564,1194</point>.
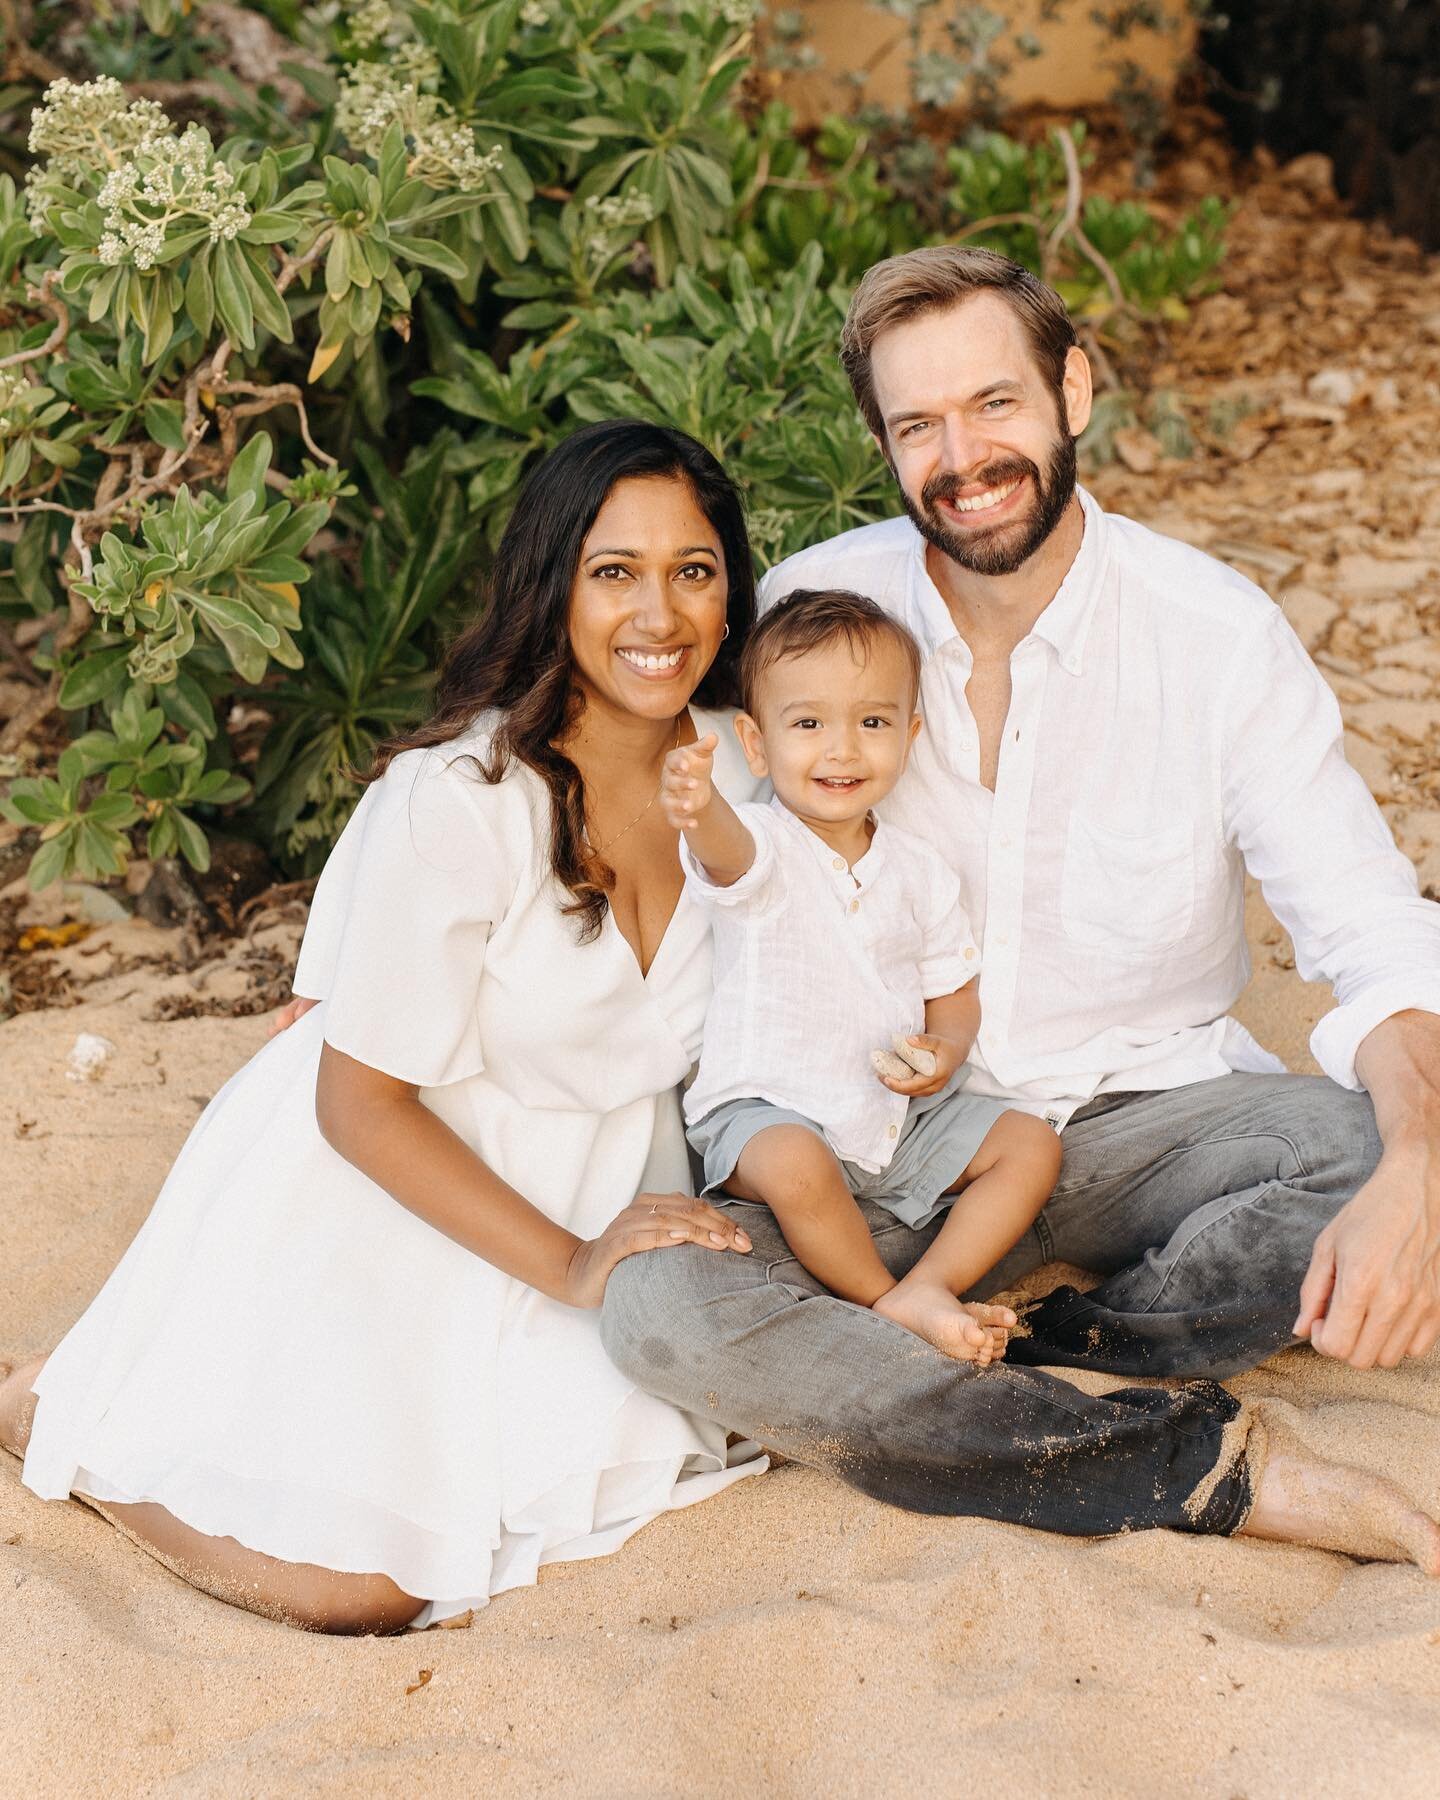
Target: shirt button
<point>894,1131</point>
<point>839,863</point>
<point>1001,939</point>
<point>854,906</point>
<point>970,954</point>
<point>1004,840</point>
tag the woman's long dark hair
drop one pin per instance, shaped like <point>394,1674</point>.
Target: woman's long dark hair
<point>517,658</point>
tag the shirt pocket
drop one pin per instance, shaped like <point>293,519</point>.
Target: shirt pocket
<point>1124,892</point>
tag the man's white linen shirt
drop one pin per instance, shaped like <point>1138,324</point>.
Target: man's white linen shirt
<point>819,962</point>
<point>1166,731</point>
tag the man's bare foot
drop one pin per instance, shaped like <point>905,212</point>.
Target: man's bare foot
<point>17,1403</point>
<point>1304,1500</point>
<point>967,1331</point>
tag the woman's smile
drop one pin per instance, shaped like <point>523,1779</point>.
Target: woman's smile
<point>655,665</point>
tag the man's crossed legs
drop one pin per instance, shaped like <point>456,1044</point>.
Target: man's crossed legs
<point>1199,1205</point>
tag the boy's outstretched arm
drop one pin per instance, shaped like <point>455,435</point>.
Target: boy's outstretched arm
<point>721,844</point>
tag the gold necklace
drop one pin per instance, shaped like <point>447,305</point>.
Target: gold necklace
<point>600,849</point>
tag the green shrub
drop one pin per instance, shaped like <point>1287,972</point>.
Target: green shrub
<point>272,364</point>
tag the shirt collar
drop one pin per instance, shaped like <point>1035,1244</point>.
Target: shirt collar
<point>852,879</point>
<point>1065,622</point>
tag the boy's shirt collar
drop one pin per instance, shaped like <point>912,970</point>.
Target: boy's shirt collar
<point>847,878</point>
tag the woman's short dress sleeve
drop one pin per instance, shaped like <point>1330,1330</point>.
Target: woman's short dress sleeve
<point>395,945</point>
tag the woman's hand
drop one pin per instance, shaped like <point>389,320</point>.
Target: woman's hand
<point>650,1222</point>
<point>287,1015</point>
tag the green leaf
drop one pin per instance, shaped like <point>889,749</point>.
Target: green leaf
<point>187,704</point>
<point>165,423</point>
<point>200,296</point>
<point>232,295</point>
<point>94,679</point>
<point>194,846</point>
<point>429,255</point>
<point>235,616</point>
<point>247,472</point>
<point>54,450</point>
<point>337,266</point>
<point>49,861</point>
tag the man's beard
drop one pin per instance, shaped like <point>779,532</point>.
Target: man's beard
<point>1006,548</point>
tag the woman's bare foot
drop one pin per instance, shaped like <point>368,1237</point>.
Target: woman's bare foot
<point>967,1331</point>
<point>1304,1500</point>
<point>17,1403</point>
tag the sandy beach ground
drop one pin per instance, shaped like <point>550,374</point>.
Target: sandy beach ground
<point>792,1637</point>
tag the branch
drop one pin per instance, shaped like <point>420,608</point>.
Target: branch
<point>43,297</point>
<point>279,393</point>
<point>1069,223</point>
<point>20,58</point>
<point>993,223</point>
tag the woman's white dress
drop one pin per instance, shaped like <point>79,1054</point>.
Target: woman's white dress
<point>285,1355</point>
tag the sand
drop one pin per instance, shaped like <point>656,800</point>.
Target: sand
<point>793,1637</point>
<point>790,1636</point>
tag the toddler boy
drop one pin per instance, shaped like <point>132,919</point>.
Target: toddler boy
<point>837,936</point>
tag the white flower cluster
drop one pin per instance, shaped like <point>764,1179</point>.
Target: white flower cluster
<point>535,14</point>
<point>738,12</point>
<point>168,179</point>
<point>606,219</point>
<point>82,125</point>
<point>13,387</point>
<point>80,129</point>
<point>370,23</point>
<point>443,152</point>
<point>380,25</point>
<point>618,211</point>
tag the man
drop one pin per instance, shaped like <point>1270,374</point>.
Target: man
<point>1116,728</point>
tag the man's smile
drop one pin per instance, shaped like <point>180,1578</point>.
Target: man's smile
<point>988,500</point>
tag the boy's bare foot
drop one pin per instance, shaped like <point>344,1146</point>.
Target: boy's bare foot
<point>967,1331</point>
<point>17,1403</point>
<point>1304,1500</point>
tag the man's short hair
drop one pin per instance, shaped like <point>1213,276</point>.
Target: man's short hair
<point>940,276</point>
<point>810,618</point>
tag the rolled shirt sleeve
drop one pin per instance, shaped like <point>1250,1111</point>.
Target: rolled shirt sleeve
<point>949,956</point>
<point>757,887</point>
<point>1313,837</point>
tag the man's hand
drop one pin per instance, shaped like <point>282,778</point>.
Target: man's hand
<point>685,786</point>
<point>1372,1293</point>
<point>948,1058</point>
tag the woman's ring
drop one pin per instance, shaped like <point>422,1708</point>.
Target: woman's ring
<point>653,1211</point>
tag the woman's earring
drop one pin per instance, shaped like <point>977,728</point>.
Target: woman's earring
<point>726,632</point>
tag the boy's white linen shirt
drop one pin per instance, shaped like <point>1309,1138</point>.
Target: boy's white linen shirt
<point>1166,731</point>
<point>817,963</point>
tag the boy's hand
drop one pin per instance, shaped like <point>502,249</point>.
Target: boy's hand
<point>948,1058</point>
<point>685,786</point>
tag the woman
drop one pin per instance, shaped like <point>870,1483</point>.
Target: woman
<point>358,1415</point>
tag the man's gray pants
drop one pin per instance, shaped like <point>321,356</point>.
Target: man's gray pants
<point>1198,1205</point>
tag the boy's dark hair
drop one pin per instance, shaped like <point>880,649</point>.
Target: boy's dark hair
<point>808,618</point>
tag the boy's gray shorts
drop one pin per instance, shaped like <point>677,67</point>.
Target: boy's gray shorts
<point>937,1142</point>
